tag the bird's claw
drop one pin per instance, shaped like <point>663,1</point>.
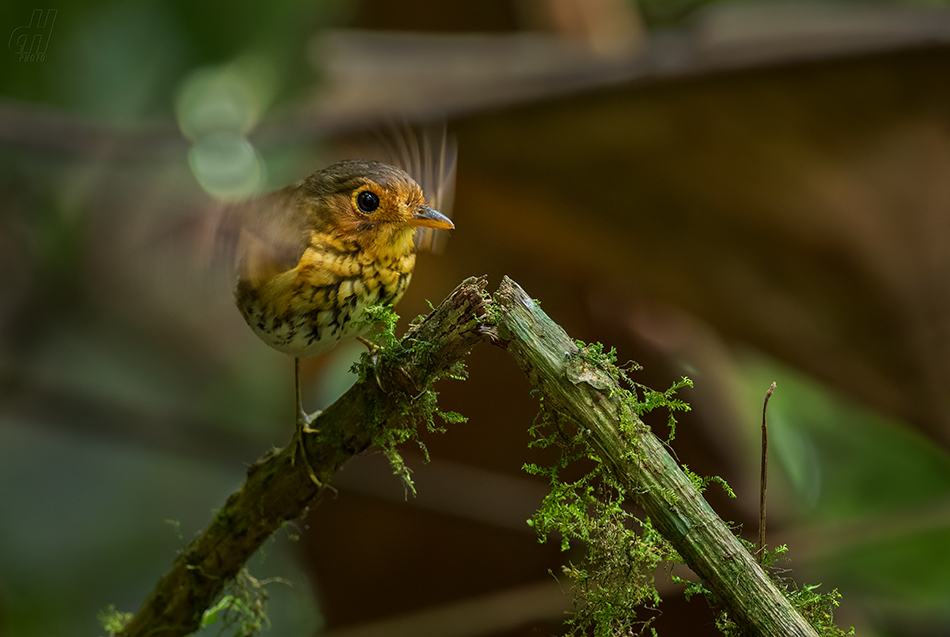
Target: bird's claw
<point>303,427</point>
<point>373,359</point>
<point>304,420</point>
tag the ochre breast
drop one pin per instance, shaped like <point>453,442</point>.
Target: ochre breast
<point>307,310</point>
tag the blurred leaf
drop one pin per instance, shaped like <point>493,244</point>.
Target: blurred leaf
<point>118,59</point>
<point>875,490</point>
<point>843,460</point>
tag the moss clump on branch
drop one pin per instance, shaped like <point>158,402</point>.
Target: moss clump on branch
<point>418,411</point>
<point>112,620</point>
<point>615,581</point>
<point>242,608</point>
<point>817,608</point>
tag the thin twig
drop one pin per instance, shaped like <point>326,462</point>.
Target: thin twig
<point>764,478</point>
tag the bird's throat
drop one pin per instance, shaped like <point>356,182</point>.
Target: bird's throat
<point>392,242</point>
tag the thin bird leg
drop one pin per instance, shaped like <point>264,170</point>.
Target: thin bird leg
<point>303,426</point>
<point>370,346</point>
<point>303,419</point>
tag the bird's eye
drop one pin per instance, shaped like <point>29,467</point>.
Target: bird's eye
<point>367,201</point>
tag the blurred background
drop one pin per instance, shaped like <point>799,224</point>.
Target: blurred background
<point>739,192</point>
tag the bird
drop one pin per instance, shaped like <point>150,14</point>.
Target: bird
<point>313,256</point>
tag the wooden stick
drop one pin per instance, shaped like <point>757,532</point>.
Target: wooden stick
<point>764,477</point>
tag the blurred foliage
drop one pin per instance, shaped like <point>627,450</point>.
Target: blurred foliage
<point>658,13</point>
<point>126,60</point>
<point>88,530</point>
<point>842,460</point>
<point>664,13</point>
<point>833,450</point>
<point>871,492</point>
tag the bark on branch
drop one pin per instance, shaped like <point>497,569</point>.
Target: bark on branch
<point>681,514</point>
<point>276,492</point>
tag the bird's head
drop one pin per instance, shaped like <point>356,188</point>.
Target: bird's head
<point>375,204</point>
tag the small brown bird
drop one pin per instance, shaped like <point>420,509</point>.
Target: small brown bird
<point>313,256</point>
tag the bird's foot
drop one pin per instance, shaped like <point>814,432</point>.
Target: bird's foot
<point>373,358</point>
<point>303,427</point>
<point>304,421</point>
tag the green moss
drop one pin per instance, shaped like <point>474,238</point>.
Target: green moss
<point>242,608</point>
<point>817,608</point>
<point>702,482</point>
<point>176,525</point>
<point>614,584</point>
<point>112,620</point>
<point>415,413</point>
<point>638,397</point>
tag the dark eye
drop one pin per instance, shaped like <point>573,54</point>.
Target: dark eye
<point>367,201</point>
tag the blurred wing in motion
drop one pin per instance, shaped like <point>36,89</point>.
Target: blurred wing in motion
<point>258,238</point>
<point>428,154</point>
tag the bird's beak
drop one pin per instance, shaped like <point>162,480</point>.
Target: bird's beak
<point>426,216</point>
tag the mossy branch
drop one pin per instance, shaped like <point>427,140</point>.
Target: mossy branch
<point>278,490</point>
<point>576,387</point>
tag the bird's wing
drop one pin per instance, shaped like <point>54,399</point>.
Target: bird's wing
<point>262,236</point>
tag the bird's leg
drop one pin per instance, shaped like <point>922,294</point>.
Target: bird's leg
<point>303,426</point>
<point>303,418</point>
<point>372,347</point>
<point>373,356</point>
